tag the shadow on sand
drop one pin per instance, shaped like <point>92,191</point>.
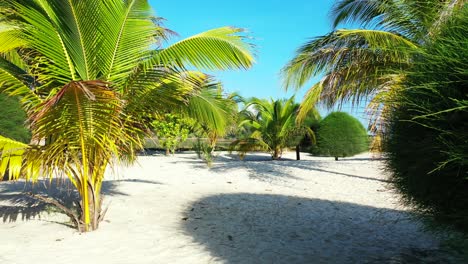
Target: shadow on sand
<point>16,203</point>
<point>271,170</point>
<point>256,228</point>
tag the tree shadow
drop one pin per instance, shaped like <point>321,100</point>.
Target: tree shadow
<point>261,167</point>
<point>16,202</point>
<point>260,228</point>
<point>320,165</point>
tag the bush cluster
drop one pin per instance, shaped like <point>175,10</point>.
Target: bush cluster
<point>341,135</point>
<point>427,142</point>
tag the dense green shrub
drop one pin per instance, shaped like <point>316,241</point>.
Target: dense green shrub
<point>341,135</point>
<point>171,130</point>
<point>12,119</point>
<point>427,142</point>
<point>312,120</point>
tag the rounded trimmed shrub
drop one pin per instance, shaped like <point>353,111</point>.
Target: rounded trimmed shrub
<point>427,141</point>
<point>341,135</point>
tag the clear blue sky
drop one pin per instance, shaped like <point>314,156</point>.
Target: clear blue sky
<point>277,27</point>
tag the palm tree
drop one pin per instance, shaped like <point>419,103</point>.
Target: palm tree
<point>89,73</point>
<point>270,125</point>
<point>367,63</point>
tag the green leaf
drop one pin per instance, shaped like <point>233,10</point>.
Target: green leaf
<point>11,157</point>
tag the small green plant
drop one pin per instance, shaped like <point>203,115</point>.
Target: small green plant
<point>171,130</point>
<point>204,151</point>
<point>341,135</point>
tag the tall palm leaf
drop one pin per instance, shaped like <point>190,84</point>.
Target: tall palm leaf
<point>88,73</point>
<point>11,157</point>
<point>213,111</point>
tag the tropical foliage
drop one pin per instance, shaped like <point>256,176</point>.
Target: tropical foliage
<point>409,61</point>
<point>89,73</point>
<point>171,130</point>
<point>369,63</point>
<point>270,125</point>
<point>341,135</point>
<point>213,112</point>
<point>427,143</point>
<point>13,120</point>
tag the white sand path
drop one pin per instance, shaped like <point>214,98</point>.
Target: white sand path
<point>176,210</point>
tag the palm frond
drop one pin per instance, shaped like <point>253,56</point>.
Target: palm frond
<point>11,157</point>
<point>351,11</point>
<point>352,61</point>
<point>209,107</point>
<point>447,11</point>
<point>79,37</point>
<point>409,18</point>
<point>10,37</point>
<point>383,101</point>
<point>91,112</point>
<point>14,81</point>
<point>129,34</point>
<point>157,90</point>
<point>217,49</point>
<point>40,28</point>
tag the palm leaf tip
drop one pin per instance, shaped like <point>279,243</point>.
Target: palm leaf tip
<point>11,157</point>
<point>217,49</point>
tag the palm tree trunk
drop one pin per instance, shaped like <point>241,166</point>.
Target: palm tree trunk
<point>213,140</point>
<point>298,152</point>
<point>90,191</point>
<point>90,210</point>
<point>276,154</point>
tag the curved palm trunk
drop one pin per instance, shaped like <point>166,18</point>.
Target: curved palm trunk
<point>89,188</point>
<point>91,211</point>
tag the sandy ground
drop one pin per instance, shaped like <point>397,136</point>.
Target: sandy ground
<point>177,210</point>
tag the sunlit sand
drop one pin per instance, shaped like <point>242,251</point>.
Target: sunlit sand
<point>177,210</point>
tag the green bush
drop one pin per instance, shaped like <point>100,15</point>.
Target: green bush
<point>427,139</point>
<point>171,130</point>
<point>341,135</point>
<point>12,119</point>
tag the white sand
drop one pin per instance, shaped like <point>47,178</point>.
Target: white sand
<point>176,210</point>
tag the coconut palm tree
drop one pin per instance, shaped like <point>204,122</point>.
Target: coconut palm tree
<point>367,63</point>
<point>89,73</point>
<point>270,125</point>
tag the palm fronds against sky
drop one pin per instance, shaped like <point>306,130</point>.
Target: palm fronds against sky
<point>368,63</point>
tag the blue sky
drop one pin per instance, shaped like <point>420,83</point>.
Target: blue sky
<point>277,27</point>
